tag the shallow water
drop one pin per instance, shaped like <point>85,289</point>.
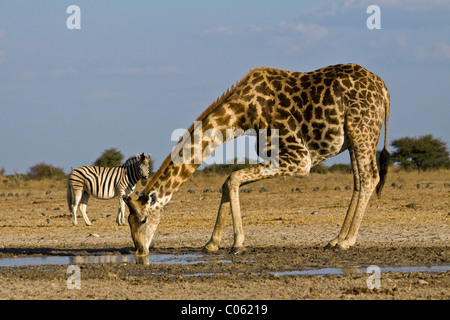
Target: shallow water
<point>128,258</point>
<point>189,259</point>
<point>356,270</point>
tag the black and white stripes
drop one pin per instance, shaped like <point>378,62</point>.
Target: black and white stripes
<point>105,183</point>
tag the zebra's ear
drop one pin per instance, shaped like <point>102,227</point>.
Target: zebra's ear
<point>149,156</point>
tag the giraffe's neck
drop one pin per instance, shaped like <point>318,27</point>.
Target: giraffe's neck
<point>212,129</point>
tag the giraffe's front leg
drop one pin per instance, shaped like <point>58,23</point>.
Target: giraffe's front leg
<point>236,179</point>
<point>224,207</point>
<point>238,245</point>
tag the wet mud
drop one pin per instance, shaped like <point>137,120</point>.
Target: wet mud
<point>284,258</point>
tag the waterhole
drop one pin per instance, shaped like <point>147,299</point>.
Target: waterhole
<point>127,258</point>
<point>190,259</point>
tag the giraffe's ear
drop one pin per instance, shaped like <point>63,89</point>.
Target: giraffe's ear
<point>154,197</point>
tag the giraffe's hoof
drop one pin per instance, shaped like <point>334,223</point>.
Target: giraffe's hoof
<point>210,247</point>
<point>343,245</point>
<point>237,250</point>
<point>329,246</point>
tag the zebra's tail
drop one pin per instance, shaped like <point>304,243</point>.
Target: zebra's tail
<point>69,195</point>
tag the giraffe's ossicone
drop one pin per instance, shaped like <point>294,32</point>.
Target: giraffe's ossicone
<point>316,115</point>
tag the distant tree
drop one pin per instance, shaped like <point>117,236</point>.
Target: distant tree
<point>320,168</point>
<point>227,168</point>
<point>110,158</point>
<point>341,167</point>
<point>43,170</point>
<point>425,152</point>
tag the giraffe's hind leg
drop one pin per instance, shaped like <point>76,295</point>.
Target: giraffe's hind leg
<point>365,171</point>
<point>353,203</point>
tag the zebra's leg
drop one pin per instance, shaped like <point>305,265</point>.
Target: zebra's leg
<point>83,205</point>
<point>74,206</point>
<point>120,220</point>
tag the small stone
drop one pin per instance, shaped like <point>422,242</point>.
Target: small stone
<point>94,235</point>
<point>314,213</point>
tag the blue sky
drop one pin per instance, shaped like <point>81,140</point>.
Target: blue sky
<point>138,70</point>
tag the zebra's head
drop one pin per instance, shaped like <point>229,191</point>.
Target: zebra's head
<point>144,166</point>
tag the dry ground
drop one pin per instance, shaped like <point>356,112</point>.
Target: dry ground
<point>408,226</point>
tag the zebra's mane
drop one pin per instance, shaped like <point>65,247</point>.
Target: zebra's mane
<point>130,162</point>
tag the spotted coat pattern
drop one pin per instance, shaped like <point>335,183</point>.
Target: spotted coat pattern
<point>317,114</point>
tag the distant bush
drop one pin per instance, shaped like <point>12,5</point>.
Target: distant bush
<point>422,153</point>
<point>42,170</point>
<point>340,167</point>
<point>320,168</point>
<point>110,158</point>
<point>227,168</point>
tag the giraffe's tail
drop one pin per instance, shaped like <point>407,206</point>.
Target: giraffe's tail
<point>385,157</point>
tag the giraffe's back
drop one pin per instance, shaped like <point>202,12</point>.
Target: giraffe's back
<point>309,108</point>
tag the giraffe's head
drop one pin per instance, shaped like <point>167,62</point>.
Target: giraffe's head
<point>143,221</point>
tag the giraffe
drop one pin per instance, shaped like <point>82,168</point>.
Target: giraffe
<point>316,115</point>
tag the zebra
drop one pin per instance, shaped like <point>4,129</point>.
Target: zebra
<point>105,183</point>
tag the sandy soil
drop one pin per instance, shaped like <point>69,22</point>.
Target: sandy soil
<point>408,226</point>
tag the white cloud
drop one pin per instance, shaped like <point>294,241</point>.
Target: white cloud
<point>99,96</point>
<point>255,29</point>
<point>61,72</point>
<point>122,70</point>
<point>221,31</point>
<point>442,51</point>
<point>311,30</point>
<point>167,69</point>
<point>134,71</point>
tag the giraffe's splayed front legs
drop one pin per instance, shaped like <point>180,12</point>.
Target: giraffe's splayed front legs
<point>230,199</point>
